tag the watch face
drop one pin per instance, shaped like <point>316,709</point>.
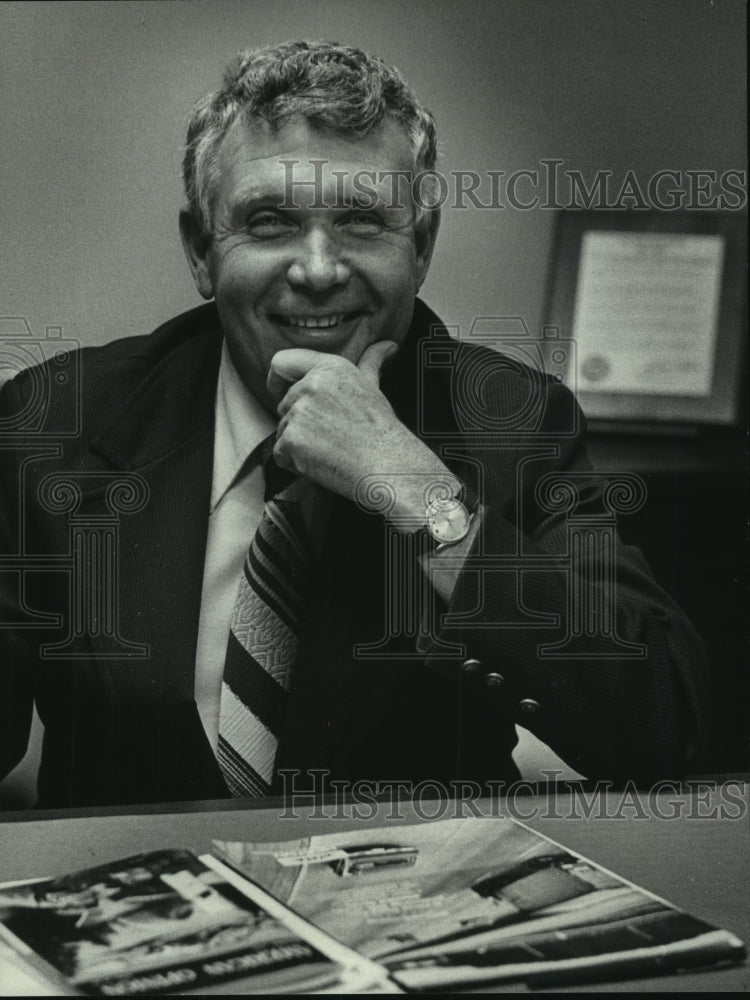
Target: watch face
<point>447,520</point>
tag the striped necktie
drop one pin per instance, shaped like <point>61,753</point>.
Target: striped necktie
<point>271,602</point>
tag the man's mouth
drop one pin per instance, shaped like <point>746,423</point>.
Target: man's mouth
<point>315,322</point>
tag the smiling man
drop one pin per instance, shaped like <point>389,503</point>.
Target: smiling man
<point>314,291</point>
<point>334,557</point>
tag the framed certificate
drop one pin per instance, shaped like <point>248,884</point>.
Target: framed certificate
<point>655,305</point>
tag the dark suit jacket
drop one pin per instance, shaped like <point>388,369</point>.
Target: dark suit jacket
<point>123,728</point>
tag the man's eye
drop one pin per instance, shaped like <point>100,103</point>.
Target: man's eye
<point>267,224</point>
<point>362,220</point>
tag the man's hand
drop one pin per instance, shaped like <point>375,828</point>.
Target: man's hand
<point>337,426</point>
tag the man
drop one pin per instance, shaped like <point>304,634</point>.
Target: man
<point>417,490</point>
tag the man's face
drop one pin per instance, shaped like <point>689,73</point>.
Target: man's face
<point>329,273</point>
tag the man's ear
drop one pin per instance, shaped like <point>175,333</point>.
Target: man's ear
<point>197,246</point>
<point>426,236</point>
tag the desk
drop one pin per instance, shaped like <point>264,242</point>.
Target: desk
<point>698,860</point>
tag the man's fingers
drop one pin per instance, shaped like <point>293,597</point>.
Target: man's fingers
<point>289,366</point>
<point>280,452</point>
<point>373,358</point>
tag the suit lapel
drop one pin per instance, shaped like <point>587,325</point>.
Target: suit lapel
<point>164,435</point>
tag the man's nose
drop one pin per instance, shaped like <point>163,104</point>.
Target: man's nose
<point>318,264</point>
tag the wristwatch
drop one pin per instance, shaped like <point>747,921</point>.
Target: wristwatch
<point>447,522</point>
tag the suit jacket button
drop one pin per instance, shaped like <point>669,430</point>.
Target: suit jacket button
<point>471,666</point>
<point>528,706</point>
<point>494,680</point>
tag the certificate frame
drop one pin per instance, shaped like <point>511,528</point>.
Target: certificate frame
<point>719,403</point>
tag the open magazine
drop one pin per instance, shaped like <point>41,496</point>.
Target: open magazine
<point>432,906</point>
<point>167,922</point>
<point>464,902</point>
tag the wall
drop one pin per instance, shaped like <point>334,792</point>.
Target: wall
<point>95,97</point>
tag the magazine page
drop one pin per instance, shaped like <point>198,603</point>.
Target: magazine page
<point>19,979</point>
<point>462,901</point>
<point>168,922</point>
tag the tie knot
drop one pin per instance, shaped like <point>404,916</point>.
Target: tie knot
<point>277,479</point>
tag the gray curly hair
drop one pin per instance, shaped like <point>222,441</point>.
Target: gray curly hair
<point>334,86</point>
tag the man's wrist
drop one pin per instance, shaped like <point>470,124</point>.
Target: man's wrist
<point>414,498</point>
<point>440,511</point>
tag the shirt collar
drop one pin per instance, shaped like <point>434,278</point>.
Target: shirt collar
<point>242,423</point>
